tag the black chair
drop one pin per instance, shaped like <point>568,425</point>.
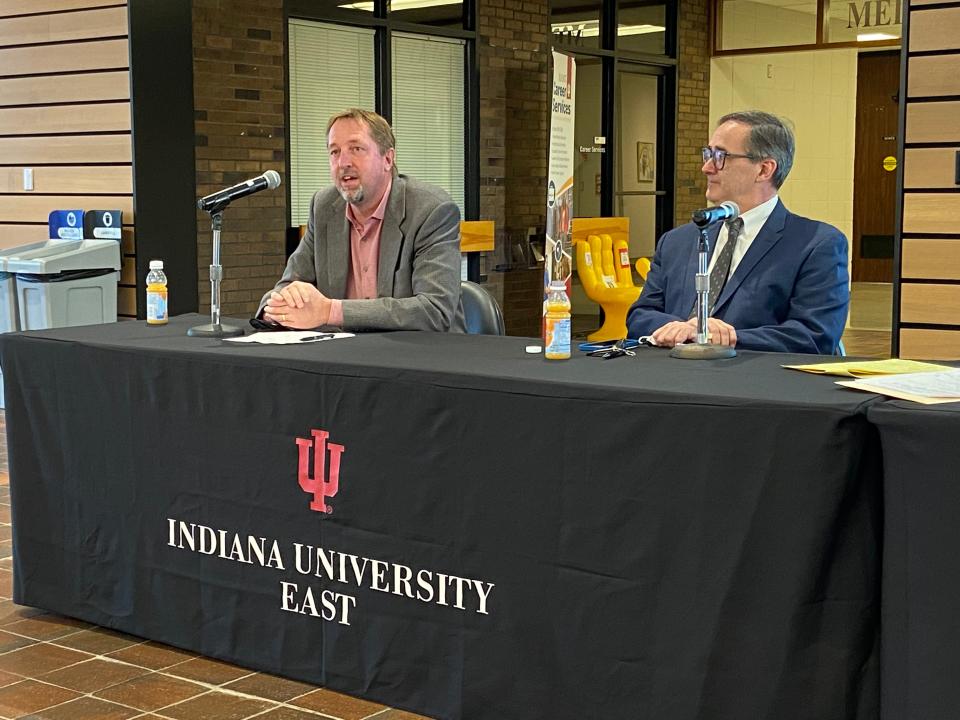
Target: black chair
<point>481,314</point>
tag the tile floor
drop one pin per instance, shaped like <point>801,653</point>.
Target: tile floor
<point>56,668</point>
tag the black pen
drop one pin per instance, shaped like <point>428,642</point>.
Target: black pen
<point>321,336</point>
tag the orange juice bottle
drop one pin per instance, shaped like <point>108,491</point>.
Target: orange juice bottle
<point>157,312</point>
<point>557,341</point>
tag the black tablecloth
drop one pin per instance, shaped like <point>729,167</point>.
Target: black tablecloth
<point>921,570</point>
<point>510,537</point>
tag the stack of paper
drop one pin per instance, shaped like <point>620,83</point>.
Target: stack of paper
<point>868,368</point>
<point>928,388</point>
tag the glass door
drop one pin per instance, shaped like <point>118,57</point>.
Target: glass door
<point>643,164</point>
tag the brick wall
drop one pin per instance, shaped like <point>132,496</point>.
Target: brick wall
<point>240,127</point>
<point>693,85</point>
<point>514,50</point>
<point>239,100</point>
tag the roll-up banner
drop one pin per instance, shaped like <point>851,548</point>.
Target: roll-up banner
<point>560,173</point>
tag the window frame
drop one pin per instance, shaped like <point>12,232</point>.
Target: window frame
<point>384,27</point>
<point>821,43</point>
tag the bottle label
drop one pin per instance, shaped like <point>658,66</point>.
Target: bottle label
<point>157,306</point>
<point>558,337</point>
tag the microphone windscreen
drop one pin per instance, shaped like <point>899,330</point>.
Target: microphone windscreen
<point>733,208</point>
<point>273,179</point>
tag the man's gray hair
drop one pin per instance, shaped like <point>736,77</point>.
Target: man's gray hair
<point>770,137</point>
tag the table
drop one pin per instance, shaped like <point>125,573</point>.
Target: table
<point>921,574</point>
<point>487,534</point>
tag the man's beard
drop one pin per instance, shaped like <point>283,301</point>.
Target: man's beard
<point>353,197</point>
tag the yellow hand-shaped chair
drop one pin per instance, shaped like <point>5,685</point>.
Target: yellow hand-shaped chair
<point>643,267</point>
<point>603,265</point>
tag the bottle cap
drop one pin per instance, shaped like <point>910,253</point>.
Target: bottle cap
<point>533,349</point>
<point>156,264</point>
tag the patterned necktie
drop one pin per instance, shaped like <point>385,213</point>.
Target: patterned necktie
<point>718,276</point>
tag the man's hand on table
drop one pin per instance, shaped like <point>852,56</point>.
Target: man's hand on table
<point>680,331</point>
<point>298,305</point>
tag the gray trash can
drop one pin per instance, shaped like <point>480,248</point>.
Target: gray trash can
<point>58,283</point>
<point>64,283</point>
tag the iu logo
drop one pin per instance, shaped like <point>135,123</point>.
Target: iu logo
<point>326,477</point>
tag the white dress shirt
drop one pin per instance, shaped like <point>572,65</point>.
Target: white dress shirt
<point>753,221</point>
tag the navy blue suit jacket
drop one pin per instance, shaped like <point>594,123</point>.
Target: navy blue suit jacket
<point>789,293</point>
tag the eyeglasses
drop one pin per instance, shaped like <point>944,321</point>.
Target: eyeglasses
<point>719,156</point>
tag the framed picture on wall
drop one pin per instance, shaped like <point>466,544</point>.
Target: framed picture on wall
<point>646,165</point>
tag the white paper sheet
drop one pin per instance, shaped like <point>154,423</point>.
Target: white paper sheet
<point>289,337</point>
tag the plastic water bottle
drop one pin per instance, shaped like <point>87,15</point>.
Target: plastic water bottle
<point>157,313</point>
<point>557,341</point>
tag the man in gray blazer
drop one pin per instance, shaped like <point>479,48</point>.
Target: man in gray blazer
<point>381,250</point>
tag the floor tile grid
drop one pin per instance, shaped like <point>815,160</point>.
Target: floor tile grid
<point>165,710</point>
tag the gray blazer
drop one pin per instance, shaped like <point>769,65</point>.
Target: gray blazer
<point>418,280</point>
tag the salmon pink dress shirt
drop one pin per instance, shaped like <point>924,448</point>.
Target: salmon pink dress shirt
<point>364,257</point>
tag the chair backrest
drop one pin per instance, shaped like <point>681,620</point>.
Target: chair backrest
<point>481,314</point>
<point>643,267</point>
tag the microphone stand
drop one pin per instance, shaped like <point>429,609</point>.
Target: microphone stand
<point>215,329</point>
<point>702,349</point>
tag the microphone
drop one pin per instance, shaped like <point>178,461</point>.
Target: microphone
<point>708,216</point>
<point>270,179</point>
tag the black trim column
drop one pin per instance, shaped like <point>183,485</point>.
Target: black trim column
<point>164,168</point>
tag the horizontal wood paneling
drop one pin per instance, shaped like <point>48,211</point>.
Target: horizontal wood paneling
<point>23,7</point>
<point>931,258</point>
<point>26,151</point>
<point>934,76</point>
<point>127,301</point>
<point>930,303</point>
<point>47,59</point>
<point>64,27</point>
<point>53,53</point>
<point>36,208</point>
<point>935,30</point>
<point>114,179</point>
<point>932,122</point>
<point>930,167</point>
<point>922,344</point>
<point>55,89</point>
<point>13,235</point>
<point>931,213</point>
<point>65,119</point>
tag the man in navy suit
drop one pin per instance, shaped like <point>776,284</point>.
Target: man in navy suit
<point>787,288</point>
